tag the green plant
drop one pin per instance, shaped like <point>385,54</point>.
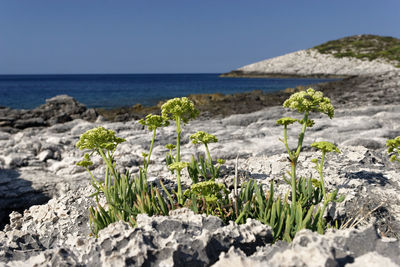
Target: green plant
<point>210,198</point>
<point>304,210</point>
<point>125,197</point>
<point>285,219</point>
<point>180,110</point>
<point>303,102</point>
<point>394,149</point>
<point>324,147</point>
<point>152,122</point>
<point>204,167</point>
<point>169,157</point>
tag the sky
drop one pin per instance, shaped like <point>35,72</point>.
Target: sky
<point>175,36</point>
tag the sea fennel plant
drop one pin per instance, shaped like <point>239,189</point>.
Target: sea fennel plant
<point>201,166</point>
<point>125,197</point>
<point>152,122</point>
<point>181,110</point>
<point>303,102</point>
<point>309,198</point>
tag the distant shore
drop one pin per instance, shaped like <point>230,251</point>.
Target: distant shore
<point>242,74</point>
<point>353,91</point>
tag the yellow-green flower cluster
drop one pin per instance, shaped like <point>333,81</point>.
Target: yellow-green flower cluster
<point>154,121</point>
<point>178,166</point>
<point>220,161</point>
<point>203,137</point>
<point>86,162</point>
<point>308,101</point>
<point>325,146</point>
<point>310,123</point>
<point>210,190</point>
<point>170,146</point>
<point>394,146</point>
<point>286,121</point>
<point>99,138</point>
<point>181,108</point>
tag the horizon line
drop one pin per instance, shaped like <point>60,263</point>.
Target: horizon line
<point>112,73</point>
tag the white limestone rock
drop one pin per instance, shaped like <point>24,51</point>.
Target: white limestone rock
<point>311,62</point>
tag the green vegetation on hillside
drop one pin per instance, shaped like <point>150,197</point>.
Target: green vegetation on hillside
<point>368,47</point>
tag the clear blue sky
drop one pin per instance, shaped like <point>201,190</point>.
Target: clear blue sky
<point>168,36</point>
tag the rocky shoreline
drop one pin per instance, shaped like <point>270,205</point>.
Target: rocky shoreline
<point>259,74</point>
<point>64,108</point>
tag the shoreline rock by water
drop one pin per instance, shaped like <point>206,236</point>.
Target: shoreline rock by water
<point>58,109</point>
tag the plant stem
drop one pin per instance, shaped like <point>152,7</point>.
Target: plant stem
<point>293,174</point>
<point>208,154</point>
<point>321,175</point>
<point>286,142</point>
<point>178,139</point>
<point>109,167</point>
<point>146,164</point>
<point>178,158</point>
<point>301,136</point>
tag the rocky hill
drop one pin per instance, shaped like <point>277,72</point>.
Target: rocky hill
<point>349,56</point>
<point>370,47</point>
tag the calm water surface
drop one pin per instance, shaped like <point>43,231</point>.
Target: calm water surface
<point>117,90</point>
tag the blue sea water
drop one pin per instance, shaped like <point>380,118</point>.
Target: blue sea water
<point>118,90</point>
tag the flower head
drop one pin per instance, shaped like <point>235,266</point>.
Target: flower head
<point>170,146</point>
<point>286,121</point>
<point>220,161</point>
<point>308,101</point>
<point>394,146</point>
<point>179,108</point>
<point>325,146</point>
<point>310,123</point>
<point>178,166</point>
<point>210,190</point>
<point>154,121</point>
<point>99,138</point>
<point>86,162</point>
<point>203,137</point>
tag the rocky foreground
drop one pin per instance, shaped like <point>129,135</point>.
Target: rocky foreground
<point>38,167</point>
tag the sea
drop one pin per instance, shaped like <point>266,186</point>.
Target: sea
<point>124,90</point>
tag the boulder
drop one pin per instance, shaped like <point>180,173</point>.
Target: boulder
<point>58,109</point>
